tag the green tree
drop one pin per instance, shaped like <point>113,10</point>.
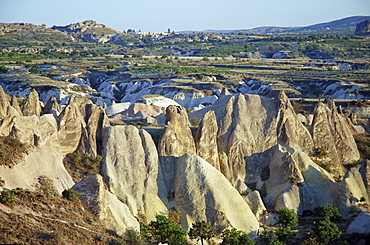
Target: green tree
<point>325,231</point>
<point>287,218</point>
<point>4,69</point>
<point>201,230</point>
<point>35,69</point>
<point>328,212</point>
<point>7,197</point>
<point>235,237</point>
<point>165,230</point>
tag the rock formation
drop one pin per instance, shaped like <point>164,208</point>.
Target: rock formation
<point>251,124</point>
<point>52,105</point>
<point>206,139</point>
<point>332,136</point>
<point>363,28</point>
<point>14,103</point>
<point>32,105</point>
<point>44,157</point>
<point>175,141</point>
<point>104,205</point>
<point>132,172</point>
<point>203,193</point>
<point>4,103</point>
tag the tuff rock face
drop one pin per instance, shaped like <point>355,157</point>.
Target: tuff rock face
<point>4,103</point>
<point>331,134</point>
<point>80,126</point>
<point>104,205</point>
<point>175,141</point>
<point>32,106</point>
<point>251,124</point>
<point>206,139</point>
<point>44,157</point>
<point>203,193</point>
<point>132,172</point>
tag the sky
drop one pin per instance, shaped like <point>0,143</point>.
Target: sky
<point>181,15</point>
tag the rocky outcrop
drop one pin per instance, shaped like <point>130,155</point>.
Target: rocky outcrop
<point>44,157</point>
<point>361,224</point>
<point>296,182</point>
<point>132,172</point>
<point>251,124</point>
<point>203,193</point>
<point>206,139</point>
<point>14,103</point>
<point>4,103</point>
<point>333,138</point>
<point>80,126</point>
<point>256,204</point>
<point>114,214</point>
<point>52,105</point>
<point>92,135</point>
<point>363,28</point>
<point>175,141</point>
<point>32,105</point>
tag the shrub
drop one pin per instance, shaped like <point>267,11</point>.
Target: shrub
<point>287,218</point>
<point>325,231</point>
<point>71,195</point>
<point>201,230</point>
<point>4,69</point>
<point>7,197</point>
<point>235,237</point>
<point>35,69</point>
<point>165,230</point>
<point>328,212</point>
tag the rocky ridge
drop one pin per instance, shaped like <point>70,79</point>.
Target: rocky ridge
<point>246,142</point>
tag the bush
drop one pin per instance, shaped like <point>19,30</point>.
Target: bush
<point>287,218</point>
<point>71,195</point>
<point>165,230</point>
<point>201,230</point>
<point>4,69</point>
<point>325,231</point>
<point>35,69</point>
<point>7,197</point>
<point>235,237</point>
<point>328,212</point>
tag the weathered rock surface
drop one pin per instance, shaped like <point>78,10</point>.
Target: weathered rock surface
<point>361,224</point>
<point>251,124</point>
<point>44,157</point>
<point>14,103</point>
<point>175,141</point>
<point>365,172</point>
<point>331,133</point>
<point>203,193</point>
<point>80,126</point>
<point>32,106</point>
<point>256,204</point>
<point>363,28</point>
<point>298,183</point>
<point>114,214</point>
<point>52,105</point>
<point>92,134</point>
<point>4,103</point>
<point>206,139</point>
<point>132,172</point>
<point>143,110</point>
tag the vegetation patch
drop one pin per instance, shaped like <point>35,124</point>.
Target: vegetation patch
<point>363,144</point>
<point>43,217</point>
<point>11,150</point>
<point>79,165</point>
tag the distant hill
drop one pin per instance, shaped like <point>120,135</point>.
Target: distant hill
<point>342,26</point>
<point>90,31</point>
